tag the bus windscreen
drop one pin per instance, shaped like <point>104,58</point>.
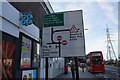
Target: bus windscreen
<point>96,58</point>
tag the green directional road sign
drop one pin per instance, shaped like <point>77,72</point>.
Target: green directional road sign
<point>52,20</point>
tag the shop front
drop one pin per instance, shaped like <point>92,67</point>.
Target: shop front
<point>9,48</point>
<point>20,46</point>
<point>30,57</point>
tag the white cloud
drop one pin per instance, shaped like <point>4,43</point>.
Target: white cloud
<point>115,43</point>
<point>107,0</point>
<point>83,0</point>
<point>71,0</point>
<point>96,44</point>
<point>109,11</point>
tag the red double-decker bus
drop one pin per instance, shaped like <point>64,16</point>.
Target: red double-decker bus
<point>94,62</point>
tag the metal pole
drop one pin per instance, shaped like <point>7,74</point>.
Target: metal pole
<point>46,71</point>
<point>77,71</point>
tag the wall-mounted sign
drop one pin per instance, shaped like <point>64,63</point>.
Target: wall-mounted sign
<point>26,19</point>
<point>29,75</point>
<point>26,52</point>
<point>63,34</point>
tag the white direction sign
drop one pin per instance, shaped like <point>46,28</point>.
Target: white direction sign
<point>63,35</point>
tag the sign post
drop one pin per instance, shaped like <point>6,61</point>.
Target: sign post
<point>46,69</point>
<point>76,65</point>
<point>63,36</point>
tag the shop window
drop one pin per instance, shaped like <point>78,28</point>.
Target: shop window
<point>8,46</point>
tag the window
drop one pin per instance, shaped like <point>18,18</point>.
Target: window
<point>96,55</point>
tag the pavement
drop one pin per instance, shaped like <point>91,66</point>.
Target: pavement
<point>82,75</point>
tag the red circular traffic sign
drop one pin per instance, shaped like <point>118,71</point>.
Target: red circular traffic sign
<point>64,42</point>
<point>59,38</point>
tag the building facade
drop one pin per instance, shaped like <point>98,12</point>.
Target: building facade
<point>21,45</point>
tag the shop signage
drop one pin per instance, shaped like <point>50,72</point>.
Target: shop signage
<point>26,19</point>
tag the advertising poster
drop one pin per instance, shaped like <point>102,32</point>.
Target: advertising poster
<point>26,52</point>
<point>35,55</point>
<point>29,75</point>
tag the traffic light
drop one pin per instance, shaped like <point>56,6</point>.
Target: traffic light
<point>26,19</point>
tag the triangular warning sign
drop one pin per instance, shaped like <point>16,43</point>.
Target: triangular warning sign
<point>73,29</point>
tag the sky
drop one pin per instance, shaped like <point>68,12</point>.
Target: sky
<point>97,16</point>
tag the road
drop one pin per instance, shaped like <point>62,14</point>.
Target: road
<point>111,73</point>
